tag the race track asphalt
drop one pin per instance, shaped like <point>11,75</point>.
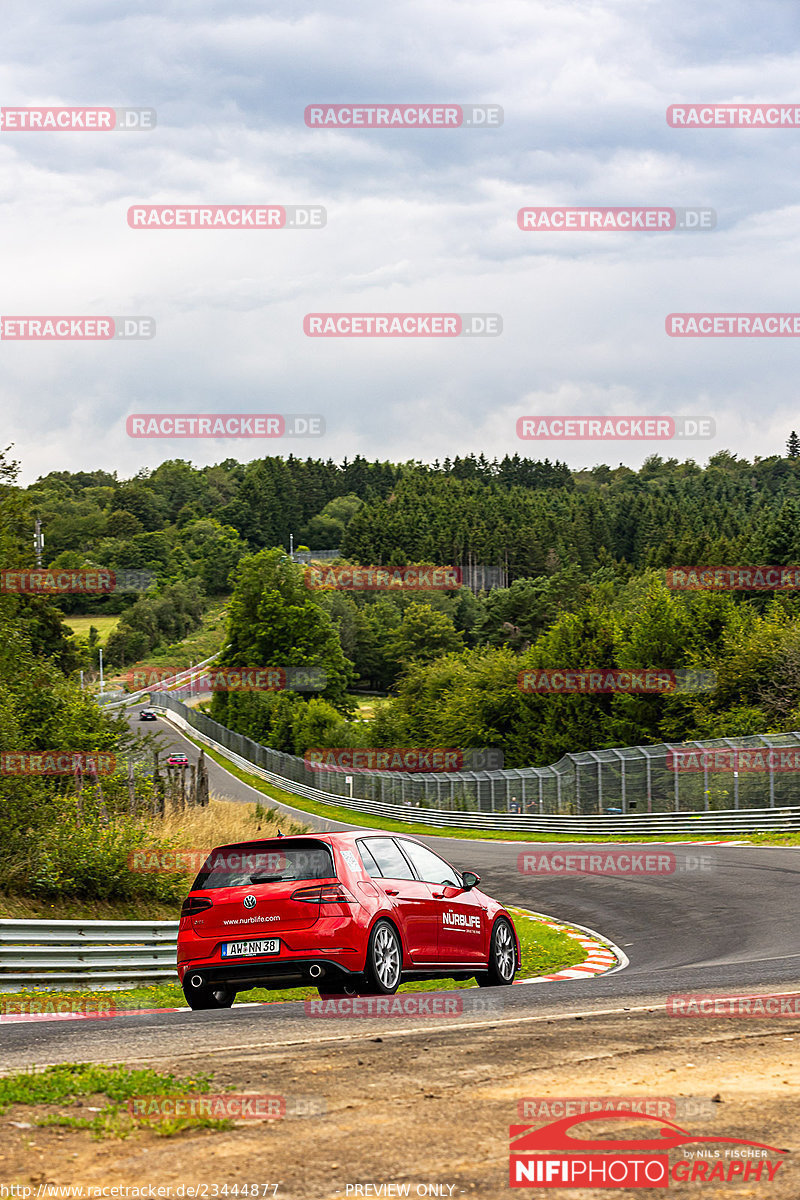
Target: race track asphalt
<point>725,920</point>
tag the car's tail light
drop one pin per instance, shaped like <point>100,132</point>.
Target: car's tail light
<point>194,905</point>
<point>326,893</point>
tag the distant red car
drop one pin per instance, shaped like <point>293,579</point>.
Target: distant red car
<point>177,760</point>
<point>355,913</point>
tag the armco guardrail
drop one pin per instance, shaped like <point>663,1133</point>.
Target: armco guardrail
<point>184,676</point>
<point>473,796</point>
<point>106,953</point>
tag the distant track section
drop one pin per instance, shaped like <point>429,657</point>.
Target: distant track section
<point>729,822</point>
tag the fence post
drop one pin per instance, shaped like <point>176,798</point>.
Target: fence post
<point>677,789</point>
<point>649,784</point>
<point>771,781</point>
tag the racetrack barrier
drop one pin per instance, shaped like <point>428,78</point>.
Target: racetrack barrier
<point>53,954</point>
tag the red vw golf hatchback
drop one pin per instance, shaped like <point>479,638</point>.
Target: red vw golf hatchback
<point>352,913</point>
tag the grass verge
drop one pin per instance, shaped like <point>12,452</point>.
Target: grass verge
<point>107,1100</point>
<point>80,626</point>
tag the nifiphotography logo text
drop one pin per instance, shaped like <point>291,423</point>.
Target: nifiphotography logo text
<point>553,1156</point>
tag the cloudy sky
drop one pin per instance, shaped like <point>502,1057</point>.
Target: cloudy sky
<point>417,221</point>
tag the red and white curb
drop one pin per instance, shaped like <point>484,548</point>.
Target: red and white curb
<point>602,956</point>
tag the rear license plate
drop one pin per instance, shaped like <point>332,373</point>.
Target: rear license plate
<point>248,949</point>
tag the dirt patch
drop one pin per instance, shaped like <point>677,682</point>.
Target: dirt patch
<point>433,1110</point>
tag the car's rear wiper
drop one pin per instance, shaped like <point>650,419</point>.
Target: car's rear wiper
<point>266,878</point>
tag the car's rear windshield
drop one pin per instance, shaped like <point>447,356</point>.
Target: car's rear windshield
<point>265,862</point>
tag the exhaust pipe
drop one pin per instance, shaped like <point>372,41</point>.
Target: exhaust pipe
<point>196,981</point>
<point>315,970</point>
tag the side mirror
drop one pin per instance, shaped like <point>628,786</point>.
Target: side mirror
<point>469,880</point>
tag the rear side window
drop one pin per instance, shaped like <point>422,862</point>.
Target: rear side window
<point>388,857</point>
<point>265,862</point>
<point>370,866</point>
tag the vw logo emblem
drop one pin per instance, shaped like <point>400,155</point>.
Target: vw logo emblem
<point>249,901</point>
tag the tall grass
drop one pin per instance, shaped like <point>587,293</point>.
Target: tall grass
<point>128,859</point>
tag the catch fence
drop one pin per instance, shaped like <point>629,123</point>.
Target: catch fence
<point>636,781</point>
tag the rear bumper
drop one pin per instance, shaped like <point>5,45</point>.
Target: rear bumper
<point>271,973</point>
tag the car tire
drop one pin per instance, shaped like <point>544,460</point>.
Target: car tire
<point>384,960</point>
<point>502,957</point>
<point>207,997</point>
